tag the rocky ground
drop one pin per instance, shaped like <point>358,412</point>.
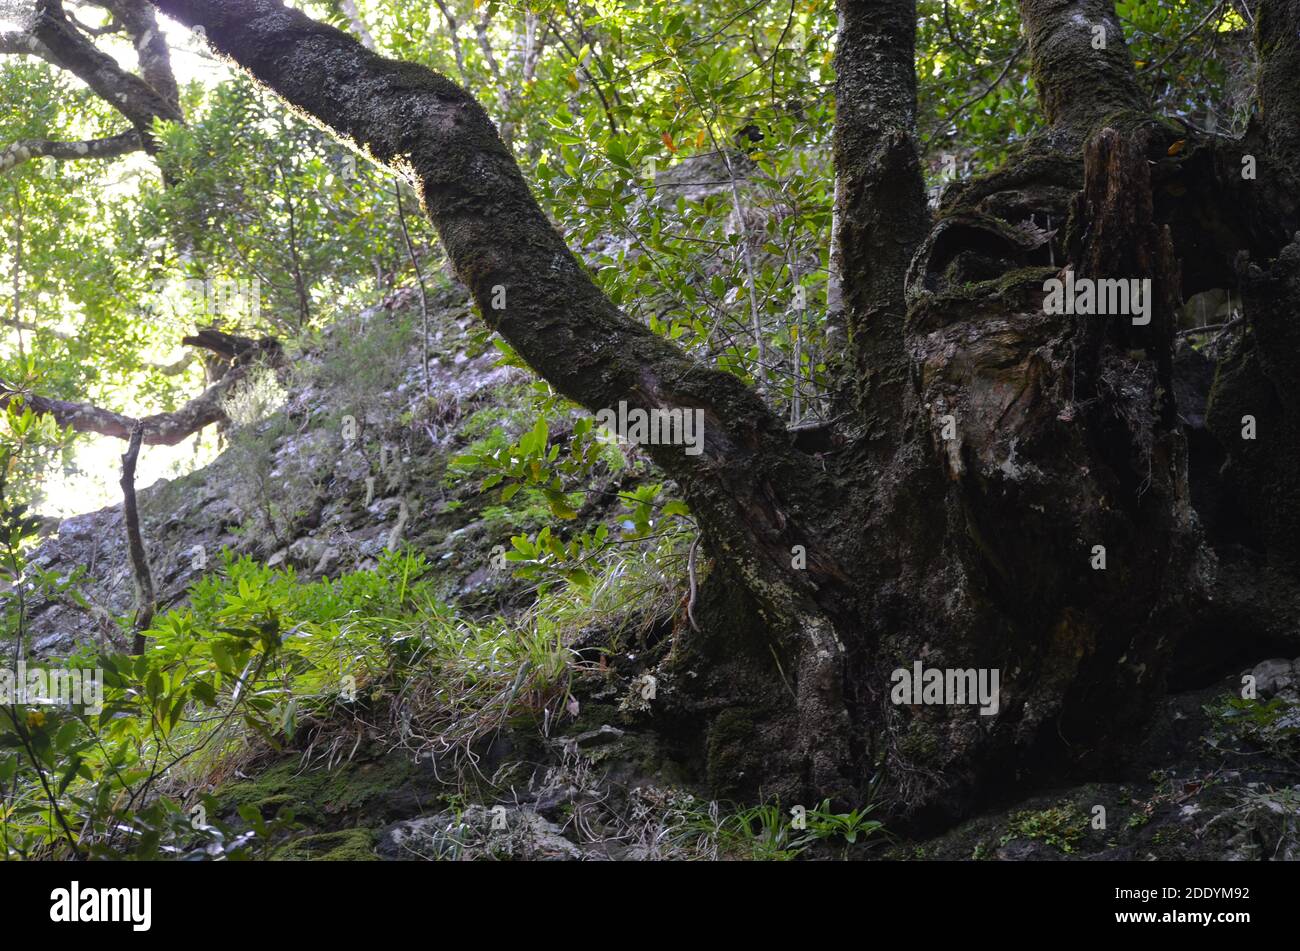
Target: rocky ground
<point>292,490</point>
<point>1208,782</point>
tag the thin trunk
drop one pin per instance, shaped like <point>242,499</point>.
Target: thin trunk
<point>453,28</point>
<point>145,602</point>
<point>424,293</point>
<point>299,285</point>
<point>18,272</point>
<point>796,401</point>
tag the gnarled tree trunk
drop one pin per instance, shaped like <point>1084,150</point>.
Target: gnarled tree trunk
<point>994,453</point>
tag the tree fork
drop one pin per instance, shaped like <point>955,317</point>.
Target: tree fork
<point>129,94</point>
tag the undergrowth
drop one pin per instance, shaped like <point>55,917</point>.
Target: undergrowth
<point>261,660</point>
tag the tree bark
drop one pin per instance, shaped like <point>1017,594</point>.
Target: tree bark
<point>1081,64</point>
<point>880,207</point>
<point>127,93</point>
<point>145,601</point>
<point>150,43</point>
<point>1278,41</point>
<point>24,150</point>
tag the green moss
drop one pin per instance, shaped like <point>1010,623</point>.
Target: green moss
<point>277,787</point>
<point>919,744</point>
<point>1060,826</point>
<point>344,845</point>
<point>356,788</point>
<point>363,785</point>
<point>1011,284</point>
<point>730,749</point>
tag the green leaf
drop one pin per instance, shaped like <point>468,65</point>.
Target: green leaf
<point>69,773</point>
<point>221,656</point>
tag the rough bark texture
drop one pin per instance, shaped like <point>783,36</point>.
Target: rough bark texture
<point>1068,434</point>
<point>880,209</point>
<point>128,94</point>
<point>1081,64</point>
<point>1062,438</point>
<point>1278,40</point>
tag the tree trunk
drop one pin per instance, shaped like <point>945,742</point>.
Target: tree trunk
<point>1009,493</point>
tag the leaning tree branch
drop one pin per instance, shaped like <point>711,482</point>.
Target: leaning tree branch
<point>25,150</point>
<point>752,492</point>
<point>160,429</point>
